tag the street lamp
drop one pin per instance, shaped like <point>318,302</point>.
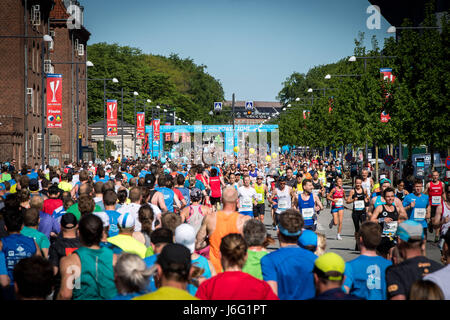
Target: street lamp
<point>297,99</point>
<point>328,76</point>
<point>393,29</point>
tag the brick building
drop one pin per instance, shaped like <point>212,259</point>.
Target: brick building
<point>21,86</point>
<point>67,55</point>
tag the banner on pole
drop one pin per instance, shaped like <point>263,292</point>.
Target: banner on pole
<point>111,117</point>
<point>167,136</point>
<point>156,123</point>
<point>54,101</point>
<point>140,125</point>
<point>387,76</point>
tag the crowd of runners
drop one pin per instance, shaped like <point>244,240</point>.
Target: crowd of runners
<point>147,230</point>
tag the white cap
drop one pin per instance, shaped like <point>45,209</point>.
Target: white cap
<point>55,180</point>
<point>185,235</point>
<point>104,216</point>
<point>126,220</point>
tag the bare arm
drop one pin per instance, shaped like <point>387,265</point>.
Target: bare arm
<point>399,297</point>
<point>330,194</point>
<point>318,202</point>
<point>375,214</point>
<point>200,241</point>
<point>70,267</point>
<point>273,285</point>
<point>350,197</point>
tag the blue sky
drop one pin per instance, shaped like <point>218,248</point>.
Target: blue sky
<point>251,46</point>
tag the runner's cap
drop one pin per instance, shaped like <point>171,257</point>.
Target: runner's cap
<point>384,180</point>
<point>410,230</point>
<point>68,220</point>
<point>195,193</point>
<point>307,238</point>
<point>330,266</point>
<point>104,217</point>
<point>185,235</point>
<point>175,258</point>
<point>126,220</point>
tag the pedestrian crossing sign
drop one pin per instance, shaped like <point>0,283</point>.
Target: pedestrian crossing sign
<point>217,106</point>
<point>249,105</point>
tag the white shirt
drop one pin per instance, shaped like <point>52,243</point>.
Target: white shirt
<point>133,209</point>
<point>284,200</point>
<point>246,196</point>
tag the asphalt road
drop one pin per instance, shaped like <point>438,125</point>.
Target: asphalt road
<point>345,247</point>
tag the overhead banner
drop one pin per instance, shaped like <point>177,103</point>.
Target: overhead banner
<point>54,101</point>
<point>167,136</point>
<point>111,117</point>
<point>387,76</point>
<point>140,125</point>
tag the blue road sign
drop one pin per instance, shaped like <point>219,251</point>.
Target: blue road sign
<point>249,105</point>
<point>217,106</point>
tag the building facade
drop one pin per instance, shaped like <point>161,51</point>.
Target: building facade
<point>23,24</point>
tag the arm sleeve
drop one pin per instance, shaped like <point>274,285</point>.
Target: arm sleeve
<point>45,243</point>
<point>268,269</point>
<point>348,276</point>
<point>393,283</point>
<point>3,270</point>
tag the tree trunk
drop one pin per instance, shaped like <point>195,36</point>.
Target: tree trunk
<point>432,157</point>
<point>376,162</point>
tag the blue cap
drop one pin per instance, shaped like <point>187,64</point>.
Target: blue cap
<point>410,230</point>
<point>307,238</point>
<point>384,180</point>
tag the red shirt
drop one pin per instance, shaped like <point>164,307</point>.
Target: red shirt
<point>435,191</point>
<point>214,183</point>
<point>51,204</point>
<point>235,285</point>
<point>178,193</point>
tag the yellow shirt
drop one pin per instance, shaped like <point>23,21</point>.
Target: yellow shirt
<point>167,293</point>
<point>65,186</point>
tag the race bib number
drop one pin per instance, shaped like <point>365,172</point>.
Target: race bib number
<point>246,203</point>
<point>328,184</point>
<point>436,200</point>
<point>390,228</point>
<point>307,213</point>
<point>420,213</point>
<point>259,197</point>
<point>359,205</point>
<point>282,204</point>
<point>339,202</point>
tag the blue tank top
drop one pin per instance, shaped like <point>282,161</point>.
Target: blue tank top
<point>378,202</point>
<point>16,247</point>
<point>186,195</point>
<point>168,197</point>
<point>202,263</point>
<point>305,209</point>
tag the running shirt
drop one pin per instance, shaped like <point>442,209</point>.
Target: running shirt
<point>366,185</point>
<point>246,196</point>
<point>216,190</point>
<point>419,212</point>
<point>378,202</point>
<point>389,228</point>
<point>186,195</point>
<point>195,217</point>
<point>435,193</point>
<point>259,193</point>
<point>284,200</point>
<point>292,268</point>
<point>113,217</point>
<point>322,176</point>
<point>316,188</point>
<point>339,195</point>
<point>445,214</point>
<point>306,208</point>
<point>365,276</point>
<point>168,197</point>
<point>15,248</point>
<point>400,195</point>
<point>359,203</point>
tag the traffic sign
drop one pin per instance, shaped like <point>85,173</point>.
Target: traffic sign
<point>217,106</point>
<point>249,105</point>
<point>447,162</point>
<point>348,157</point>
<point>389,160</point>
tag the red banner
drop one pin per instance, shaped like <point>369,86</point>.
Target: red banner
<point>156,124</point>
<point>387,76</point>
<point>175,137</point>
<point>167,134</point>
<point>54,101</point>
<point>140,125</point>
<point>111,117</point>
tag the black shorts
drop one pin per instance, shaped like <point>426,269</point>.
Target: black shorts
<point>214,201</point>
<point>259,210</point>
<point>433,211</point>
<point>358,217</point>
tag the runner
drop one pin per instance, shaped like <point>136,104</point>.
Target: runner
<point>401,192</point>
<point>417,206</point>
<point>442,219</point>
<point>247,198</point>
<point>337,196</point>
<point>366,274</point>
<point>308,204</point>
<point>283,195</point>
<point>261,194</point>
<point>360,199</point>
<point>378,200</point>
<point>388,216</point>
<point>318,188</point>
<point>195,213</point>
<point>216,183</point>
<point>367,182</point>
<point>435,190</point>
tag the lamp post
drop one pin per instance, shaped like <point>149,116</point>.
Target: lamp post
<point>45,38</point>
